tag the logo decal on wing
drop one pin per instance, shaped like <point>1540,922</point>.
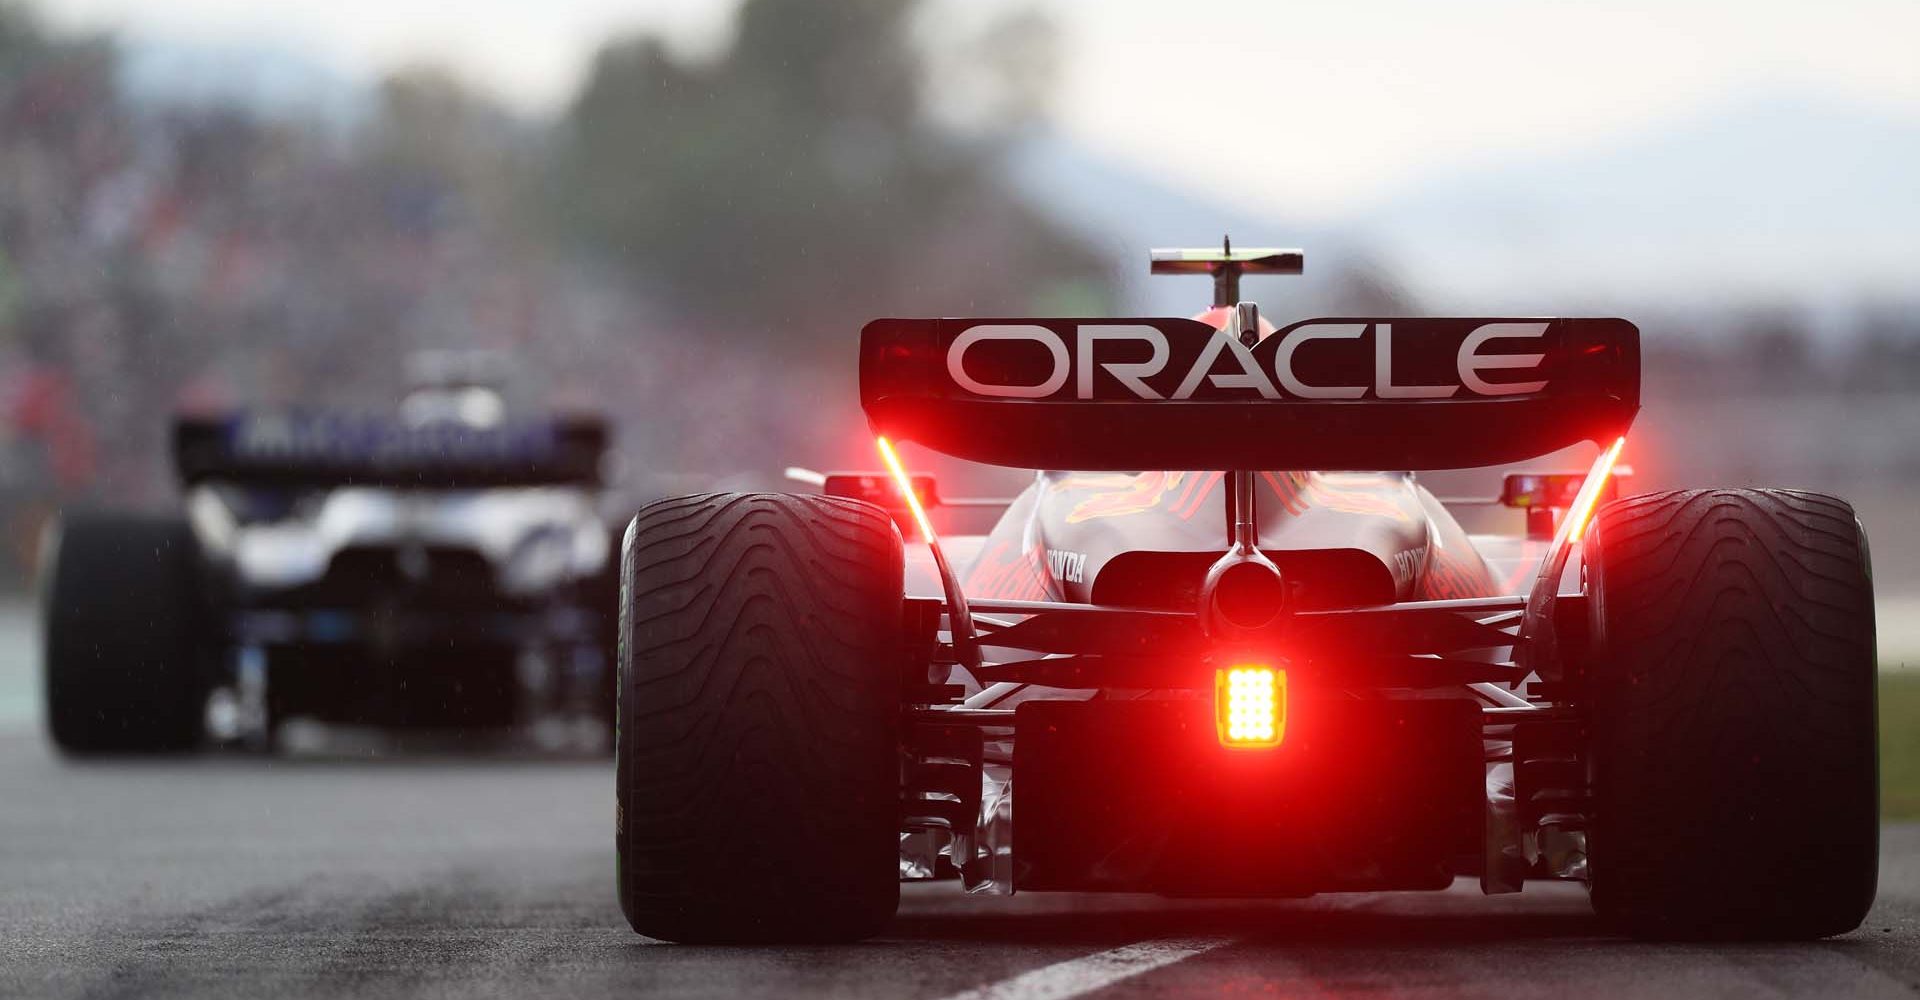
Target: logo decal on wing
<point>1313,360</point>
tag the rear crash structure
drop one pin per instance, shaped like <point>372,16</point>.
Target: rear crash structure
<point>1246,683</point>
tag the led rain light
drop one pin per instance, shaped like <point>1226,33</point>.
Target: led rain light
<point>1251,705</point>
<point>1589,496</point>
<point>905,483</point>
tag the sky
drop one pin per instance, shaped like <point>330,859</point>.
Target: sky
<point>1317,109</point>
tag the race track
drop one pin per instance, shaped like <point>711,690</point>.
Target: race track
<point>435,876</point>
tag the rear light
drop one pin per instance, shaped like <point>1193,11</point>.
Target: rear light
<point>905,485</point>
<point>1590,491</point>
<point>1250,704</point>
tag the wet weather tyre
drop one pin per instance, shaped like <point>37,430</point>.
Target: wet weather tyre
<point>1733,717</point>
<point>122,635</point>
<point>758,748</point>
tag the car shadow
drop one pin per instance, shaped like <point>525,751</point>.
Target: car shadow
<point>1364,921</point>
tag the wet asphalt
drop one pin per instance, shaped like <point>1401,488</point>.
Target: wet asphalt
<point>359,873</point>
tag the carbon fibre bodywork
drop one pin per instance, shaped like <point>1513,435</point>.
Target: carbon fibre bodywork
<point>1081,638</point>
<point>1260,680</point>
<point>1124,789</point>
<point>428,570</point>
<point>409,606</point>
<point>1146,539</point>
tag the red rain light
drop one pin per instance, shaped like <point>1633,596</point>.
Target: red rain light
<point>905,483</point>
<point>1590,491</point>
<point>1250,704</point>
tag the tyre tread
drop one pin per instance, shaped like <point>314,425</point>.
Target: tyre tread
<point>759,719</point>
<point>1734,715</point>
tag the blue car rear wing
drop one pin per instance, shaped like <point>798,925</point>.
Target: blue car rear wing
<point>319,450</point>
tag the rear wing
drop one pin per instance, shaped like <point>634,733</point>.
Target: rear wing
<point>320,450</point>
<point>1325,394</point>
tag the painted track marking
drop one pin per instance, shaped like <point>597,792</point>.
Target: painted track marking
<point>1079,976</point>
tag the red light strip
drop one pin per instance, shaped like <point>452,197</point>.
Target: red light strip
<point>905,482</point>
<point>1589,495</point>
<point>966,649</point>
<point>1251,705</point>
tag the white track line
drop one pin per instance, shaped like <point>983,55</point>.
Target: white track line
<point>1087,973</point>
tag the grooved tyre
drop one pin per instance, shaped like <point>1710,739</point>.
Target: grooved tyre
<point>121,626</point>
<point>1734,757</point>
<point>758,745</point>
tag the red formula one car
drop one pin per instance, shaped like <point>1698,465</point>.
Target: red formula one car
<point>1239,681</point>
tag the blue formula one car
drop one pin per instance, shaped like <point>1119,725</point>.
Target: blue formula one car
<point>445,567</point>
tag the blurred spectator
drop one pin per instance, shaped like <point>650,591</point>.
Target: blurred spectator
<point>154,258</point>
<point>160,257</point>
<point>690,249</point>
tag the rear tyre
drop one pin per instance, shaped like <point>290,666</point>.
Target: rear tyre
<point>122,627</point>
<point>1734,756</point>
<point>758,743</point>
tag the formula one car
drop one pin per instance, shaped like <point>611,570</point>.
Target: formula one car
<point>1238,681</point>
<point>445,568</point>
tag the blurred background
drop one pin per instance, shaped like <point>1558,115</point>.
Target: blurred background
<point>680,212</point>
